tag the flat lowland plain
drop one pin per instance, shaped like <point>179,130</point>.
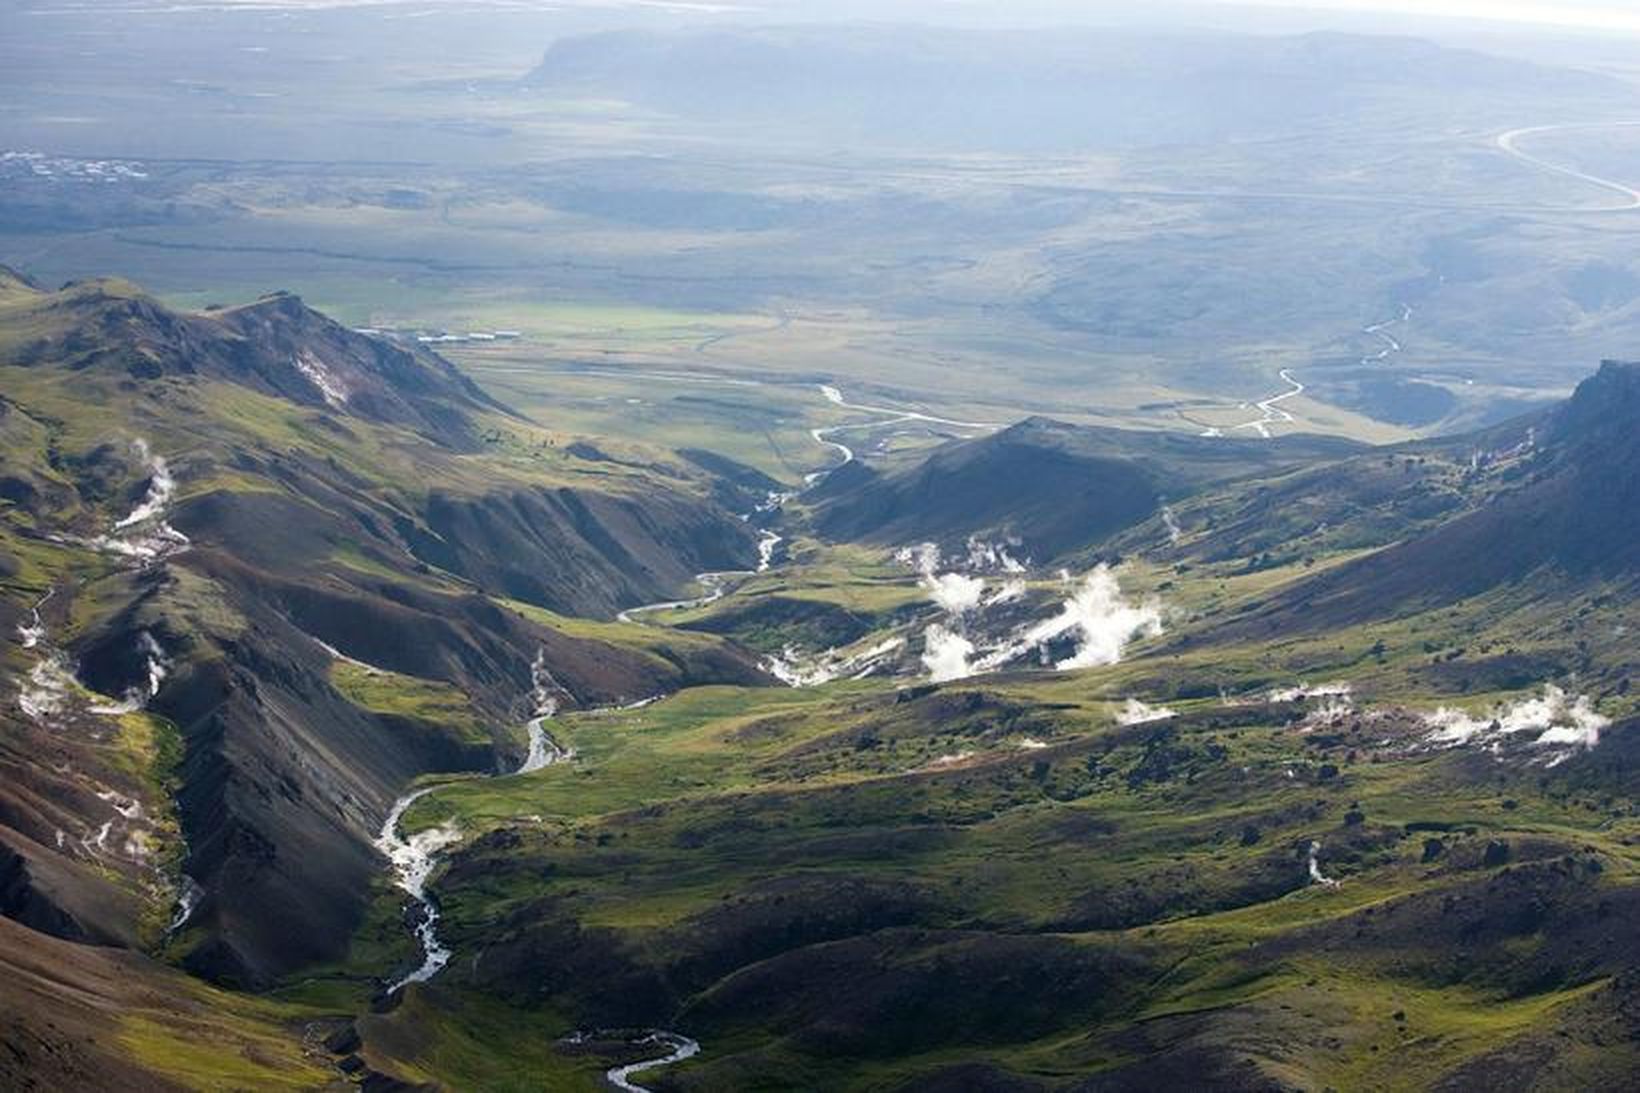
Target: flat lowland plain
<point>1406,269</point>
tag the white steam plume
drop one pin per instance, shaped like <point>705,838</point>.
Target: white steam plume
<point>955,593</point>
<point>946,653</point>
<point>1315,868</point>
<point>987,556</point>
<point>1139,713</point>
<point>1556,718</point>
<point>1340,690</point>
<point>1102,622</point>
<point>143,534</point>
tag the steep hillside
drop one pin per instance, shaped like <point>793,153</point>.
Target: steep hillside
<point>1328,783</point>
<point>1561,503</point>
<point>221,536</point>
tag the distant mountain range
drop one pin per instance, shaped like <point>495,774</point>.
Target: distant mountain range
<point>1024,90</point>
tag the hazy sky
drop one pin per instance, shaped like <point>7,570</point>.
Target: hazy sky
<point>1602,15</point>
<point>1593,15</point>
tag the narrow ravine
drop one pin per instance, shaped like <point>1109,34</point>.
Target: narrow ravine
<point>144,535</point>
<point>717,583</point>
<point>31,633</point>
<point>52,690</point>
<point>413,858</point>
<point>545,693</point>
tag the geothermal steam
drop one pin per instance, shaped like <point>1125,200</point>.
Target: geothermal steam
<point>946,653</point>
<point>1096,616</point>
<point>1556,718</point>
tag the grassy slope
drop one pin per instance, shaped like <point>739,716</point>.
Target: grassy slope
<point>670,837</point>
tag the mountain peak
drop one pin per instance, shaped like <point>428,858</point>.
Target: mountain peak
<point>1608,399</point>
<point>275,345</point>
<point>12,280</point>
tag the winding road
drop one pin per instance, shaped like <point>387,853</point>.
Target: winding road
<point>1509,143</point>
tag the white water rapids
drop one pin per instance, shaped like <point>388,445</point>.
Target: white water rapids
<point>545,692</point>
<point>413,859</point>
<point>31,633</point>
<point>716,584</point>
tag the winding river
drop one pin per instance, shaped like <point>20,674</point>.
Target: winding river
<point>886,415</point>
<point>413,858</point>
<point>1271,412</point>
<point>1270,408</point>
<point>679,1049</point>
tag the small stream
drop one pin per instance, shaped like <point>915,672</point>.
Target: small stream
<point>679,1048</point>
<point>414,857</point>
